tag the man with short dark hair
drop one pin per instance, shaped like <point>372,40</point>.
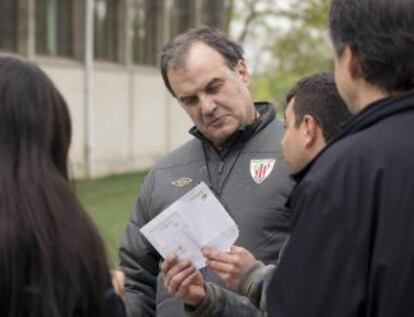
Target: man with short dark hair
<point>235,151</point>
<point>313,117</point>
<point>351,252</point>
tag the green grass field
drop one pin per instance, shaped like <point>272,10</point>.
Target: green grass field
<point>110,201</point>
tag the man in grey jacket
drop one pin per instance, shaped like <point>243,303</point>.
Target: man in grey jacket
<point>235,150</point>
<point>313,117</point>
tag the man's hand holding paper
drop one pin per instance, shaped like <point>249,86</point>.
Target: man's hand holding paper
<point>193,222</point>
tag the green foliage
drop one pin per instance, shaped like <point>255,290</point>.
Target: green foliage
<point>272,88</point>
<point>110,202</point>
<point>295,44</point>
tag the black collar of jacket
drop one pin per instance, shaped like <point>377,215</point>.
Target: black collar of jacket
<point>371,114</point>
<point>377,111</point>
<point>266,112</point>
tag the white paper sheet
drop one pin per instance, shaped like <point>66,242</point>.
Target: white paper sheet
<point>194,221</point>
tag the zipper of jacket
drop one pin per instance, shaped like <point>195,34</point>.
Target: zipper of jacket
<point>219,176</point>
<point>220,170</point>
<point>228,161</point>
<point>221,179</point>
<point>216,186</point>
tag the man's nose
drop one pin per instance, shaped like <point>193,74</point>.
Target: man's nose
<point>208,106</point>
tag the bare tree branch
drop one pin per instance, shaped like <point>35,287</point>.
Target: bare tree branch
<point>253,14</point>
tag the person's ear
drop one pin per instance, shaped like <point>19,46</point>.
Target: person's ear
<point>243,71</point>
<point>352,63</point>
<point>310,132</point>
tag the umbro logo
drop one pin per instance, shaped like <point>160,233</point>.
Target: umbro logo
<point>182,181</point>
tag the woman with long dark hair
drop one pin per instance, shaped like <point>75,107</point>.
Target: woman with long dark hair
<point>52,260</point>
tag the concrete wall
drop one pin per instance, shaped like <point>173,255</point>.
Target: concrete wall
<point>134,120</point>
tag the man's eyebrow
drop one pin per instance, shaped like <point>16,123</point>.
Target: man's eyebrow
<point>214,81</point>
<point>211,83</point>
<point>185,98</point>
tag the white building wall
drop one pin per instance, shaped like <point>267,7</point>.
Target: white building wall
<point>110,137</point>
<point>134,120</point>
<point>150,115</point>
<point>68,78</point>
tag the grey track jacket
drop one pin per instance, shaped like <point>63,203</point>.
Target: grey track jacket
<point>256,206</point>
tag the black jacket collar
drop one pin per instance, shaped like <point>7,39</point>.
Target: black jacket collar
<point>377,111</point>
<point>267,114</point>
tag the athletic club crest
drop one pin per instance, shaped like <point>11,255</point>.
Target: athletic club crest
<point>261,169</point>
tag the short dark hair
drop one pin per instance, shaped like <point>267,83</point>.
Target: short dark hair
<point>381,34</point>
<point>174,53</point>
<point>318,97</point>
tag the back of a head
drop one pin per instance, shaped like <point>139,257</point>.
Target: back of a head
<point>35,125</point>
<point>175,52</point>
<point>381,34</point>
<point>317,96</point>
<point>52,261</point>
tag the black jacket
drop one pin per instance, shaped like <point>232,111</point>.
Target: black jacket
<point>258,209</point>
<point>351,252</point>
<point>114,307</point>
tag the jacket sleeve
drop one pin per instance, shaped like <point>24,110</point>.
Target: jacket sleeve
<point>251,285</point>
<point>113,305</point>
<point>320,273</point>
<point>220,302</point>
<point>139,260</point>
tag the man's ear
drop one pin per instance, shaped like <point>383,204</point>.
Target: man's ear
<point>310,132</point>
<point>352,63</point>
<point>242,69</point>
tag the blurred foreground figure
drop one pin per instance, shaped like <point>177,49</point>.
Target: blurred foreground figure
<point>52,260</point>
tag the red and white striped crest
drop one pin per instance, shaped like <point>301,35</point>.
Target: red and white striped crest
<point>261,169</point>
